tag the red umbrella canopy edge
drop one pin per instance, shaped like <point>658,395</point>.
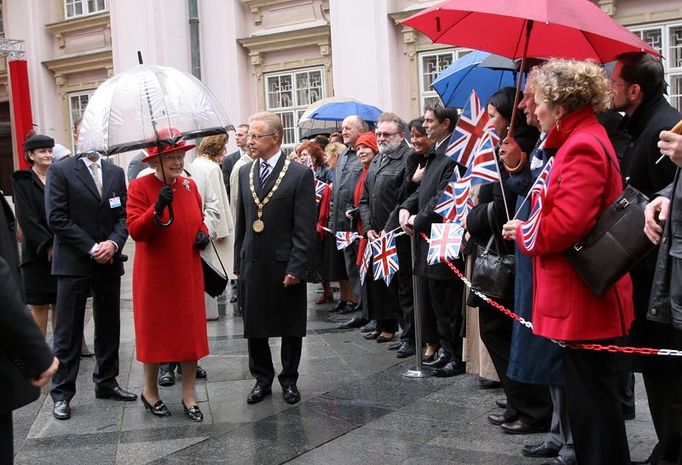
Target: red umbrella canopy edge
<point>576,29</point>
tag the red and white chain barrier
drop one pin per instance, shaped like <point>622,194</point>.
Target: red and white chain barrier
<point>570,345</point>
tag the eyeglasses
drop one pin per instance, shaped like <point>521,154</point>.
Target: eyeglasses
<point>258,137</point>
<point>385,134</point>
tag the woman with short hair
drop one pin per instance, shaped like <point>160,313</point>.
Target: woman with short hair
<point>584,181</point>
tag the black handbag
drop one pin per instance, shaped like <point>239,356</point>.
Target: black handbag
<point>215,280</point>
<point>493,271</point>
<point>615,244</point>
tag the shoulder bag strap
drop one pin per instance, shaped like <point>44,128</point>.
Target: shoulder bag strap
<point>218,256</point>
<point>494,227</point>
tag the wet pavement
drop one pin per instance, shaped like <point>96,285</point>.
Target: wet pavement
<point>356,408</point>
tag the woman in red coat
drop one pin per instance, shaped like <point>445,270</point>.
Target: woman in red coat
<point>168,286</point>
<point>585,179</point>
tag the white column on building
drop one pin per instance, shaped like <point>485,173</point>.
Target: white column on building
<point>368,63</point>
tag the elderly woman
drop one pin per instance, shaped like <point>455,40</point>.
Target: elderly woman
<point>168,288</point>
<point>209,155</point>
<point>36,248</point>
<point>585,179</point>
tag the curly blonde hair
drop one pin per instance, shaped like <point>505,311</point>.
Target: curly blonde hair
<point>574,84</point>
<point>212,146</point>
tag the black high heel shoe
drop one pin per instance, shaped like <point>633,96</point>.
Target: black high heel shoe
<point>159,409</point>
<point>193,412</point>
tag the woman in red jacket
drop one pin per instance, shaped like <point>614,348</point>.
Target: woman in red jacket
<point>168,284</point>
<point>585,179</point>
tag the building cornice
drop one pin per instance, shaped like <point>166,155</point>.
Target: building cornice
<point>256,7</point>
<point>84,62</point>
<point>259,44</point>
<point>670,14</point>
<point>78,25</point>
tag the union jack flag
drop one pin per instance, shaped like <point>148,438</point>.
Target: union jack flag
<point>319,190</point>
<point>345,238</point>
<point>365,263</point>
<point>445,242</point>
<point>384,258</point>
<point>446,204</point>
<point>484,168</point>
<point>463,201</point>
<point>529,229</point>
<point>472,125</point>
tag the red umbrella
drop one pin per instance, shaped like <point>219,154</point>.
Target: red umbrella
<point>560,28</point>
<point>575,29</point>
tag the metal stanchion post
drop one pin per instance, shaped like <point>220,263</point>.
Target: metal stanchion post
<point>417,371</point>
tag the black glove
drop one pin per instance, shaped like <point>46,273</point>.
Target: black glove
<point>165,199</point>
<point>201,241</point>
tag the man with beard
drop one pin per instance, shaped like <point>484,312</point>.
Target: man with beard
<point>442,295</point>
<point>638,90</point>
<point>379,214</point>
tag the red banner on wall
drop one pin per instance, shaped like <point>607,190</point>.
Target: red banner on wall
<point>21,103</point>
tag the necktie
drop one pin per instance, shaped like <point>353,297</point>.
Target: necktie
<point>384,160</point>
<point>264,171</point>
<point>95,176</point>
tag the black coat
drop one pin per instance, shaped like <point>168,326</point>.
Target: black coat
<point>380,198</point>
<point>665,287</point>
<point>227,165</point>
<point>29,203</point>
<point>284,246</point>
<point>80,218</point>
<point>640,170</point>
<point>348,169</point>
<point>23,351</point>
<point>439,170</point>
<point>8,241</point>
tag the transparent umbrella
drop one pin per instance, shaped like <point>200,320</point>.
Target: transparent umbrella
<point>127,111</point>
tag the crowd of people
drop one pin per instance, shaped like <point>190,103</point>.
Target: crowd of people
<point>270,220</point>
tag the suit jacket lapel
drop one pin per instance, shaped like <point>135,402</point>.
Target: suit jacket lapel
<point>270,181</point>
<point>83,173</point>
<point>107,179</point>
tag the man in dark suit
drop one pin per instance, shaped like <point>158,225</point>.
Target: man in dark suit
<point>443,290</point>
<point>230,160</point>
<point>26,362</point>
<point>85,204</point>
<point>276,217</point>
<point>638,90</point>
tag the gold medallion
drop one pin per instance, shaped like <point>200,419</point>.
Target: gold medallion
<point>258,226</point>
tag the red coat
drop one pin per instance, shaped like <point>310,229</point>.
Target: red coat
<point>582,185</point>
<point>168,283</point>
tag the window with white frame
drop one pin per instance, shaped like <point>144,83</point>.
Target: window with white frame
<point>667,39</point>
<point>74,8</point>
<point>288,94</point>
<point>431,64</point>
<point>77,103</point>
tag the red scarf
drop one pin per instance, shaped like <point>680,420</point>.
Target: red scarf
<point>357,195</point>
<point>323,217</point>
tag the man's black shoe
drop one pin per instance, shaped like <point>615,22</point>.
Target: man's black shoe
<point>61,410</point>
<point>290,394</point>
<point>201,373</point>
<point>452,368</point>
<point>561,460</point>
<point>350,307</point>
<point>339,306</point>
<point>258,393</point>
<point>484,383</point>
<point>440,360</point>
<point>541,449</point>
<point>115,393</point>
<point>166,378</point>
<point>369,327</point>
<point>519,427</point>
<point>395,345</point>
<point>498,419</point>
<point>406,350</point>
<point>355,322</point>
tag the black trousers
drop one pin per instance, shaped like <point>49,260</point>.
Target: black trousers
<point>72,293</point>
<point>260,360</point>
<point>446,301</point>
<point>6,439</point>
<point>403,286</point>
<point>594,408</point>
<point>664,392</point>
<point>429,326</point>
<point>532,403</point>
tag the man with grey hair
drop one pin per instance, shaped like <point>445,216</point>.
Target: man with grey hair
<point>274,239</point>
<point>346,176</point>
<point>379,208</point>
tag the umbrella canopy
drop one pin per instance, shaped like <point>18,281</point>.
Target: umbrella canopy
<point>128,110</point>
<point>474,71</point>
<point>575,29</point>
<point>338,111</point>
<point>307,125</point>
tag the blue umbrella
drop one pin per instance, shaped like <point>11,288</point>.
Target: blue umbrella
<point>480,71</point>
<point>338,111</point>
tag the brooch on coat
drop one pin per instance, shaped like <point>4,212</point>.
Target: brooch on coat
<point>186,184</point>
